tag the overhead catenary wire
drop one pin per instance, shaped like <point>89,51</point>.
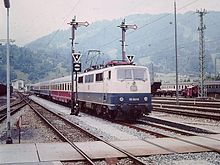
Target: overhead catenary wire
<point>149,23</point>
<point>64,21</point>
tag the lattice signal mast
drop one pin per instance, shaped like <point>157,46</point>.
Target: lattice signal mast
<point>124,28</point>
<point>202,93</point>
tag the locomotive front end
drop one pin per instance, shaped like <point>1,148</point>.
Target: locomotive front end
<point>133,96</point>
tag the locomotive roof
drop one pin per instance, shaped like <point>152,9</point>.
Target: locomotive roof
<point>61,79</point>
<point>68,78</point>
<point>112,67</point>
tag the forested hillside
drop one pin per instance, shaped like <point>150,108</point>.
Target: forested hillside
<point>151,43</point>
<point>25,64</point>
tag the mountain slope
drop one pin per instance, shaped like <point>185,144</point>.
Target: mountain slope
<point>151,43</point>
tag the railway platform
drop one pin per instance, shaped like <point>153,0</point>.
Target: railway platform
<point>53,153</point>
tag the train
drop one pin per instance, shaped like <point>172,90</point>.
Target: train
<point>117,90</point>
<point>187,89</point>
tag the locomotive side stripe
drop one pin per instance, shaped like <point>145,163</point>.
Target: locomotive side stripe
<point>113,98</point>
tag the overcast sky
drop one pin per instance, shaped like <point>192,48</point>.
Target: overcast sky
<point>31,19</point>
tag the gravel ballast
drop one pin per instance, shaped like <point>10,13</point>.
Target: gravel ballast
<point>37,131</point>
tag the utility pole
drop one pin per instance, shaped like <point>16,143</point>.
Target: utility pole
<point>175,34</point>
<point>201,29</point>
<point>8,123</point>
<point>124,28</point>
<point>74,104</point>
<point>216,67</point>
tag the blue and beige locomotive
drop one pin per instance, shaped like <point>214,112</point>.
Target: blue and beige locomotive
<point>116,90</point>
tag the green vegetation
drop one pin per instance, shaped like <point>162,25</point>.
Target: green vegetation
<point>24,64</point>
<point>152,44</point>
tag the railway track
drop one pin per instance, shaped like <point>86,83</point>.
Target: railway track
<point>185,99</point>
<point>166,128</point>
<point>190,113</point>
<point>158,144</point>
<point>171,129</point>
<point>134,126</point>
<point>66,134</point>
<point>14,107</point>
<point>193,108</point>
<point>162,123</point>
<point>187,102</point>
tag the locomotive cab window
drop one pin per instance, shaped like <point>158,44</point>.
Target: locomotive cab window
<point>139,74</point>
<point>132,74</point>
<point>124,74</point>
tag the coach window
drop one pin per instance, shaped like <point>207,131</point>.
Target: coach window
<point>70,86</point>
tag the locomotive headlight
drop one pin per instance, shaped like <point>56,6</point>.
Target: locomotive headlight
<point>145,98</point>
<point>121,99</point>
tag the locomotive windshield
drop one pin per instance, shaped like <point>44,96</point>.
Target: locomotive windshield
<point>132,74</point>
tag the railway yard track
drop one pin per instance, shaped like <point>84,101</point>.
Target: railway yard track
<point>191,108</point>
<point>73,133</point>
<point>152,129</point>
<point>187,101</point>
<point>15,106</point>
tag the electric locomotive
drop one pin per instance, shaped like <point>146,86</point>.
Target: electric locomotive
<point>121,90</point>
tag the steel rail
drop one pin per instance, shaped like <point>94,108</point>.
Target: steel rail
<point>176,130</point>
<point>87,158</point>
<point>188,113</point>
<point>129,155</point>
<point>157,134</point>
<point>177,125</point>
<point>4,116</point>
<point>212,104</point>
<point>194,108</point>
